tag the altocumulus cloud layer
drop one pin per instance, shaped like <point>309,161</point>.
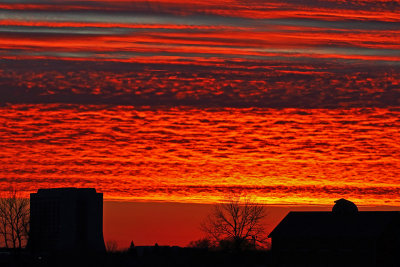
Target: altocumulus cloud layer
<point>207,53</point>
<point>189,154</point>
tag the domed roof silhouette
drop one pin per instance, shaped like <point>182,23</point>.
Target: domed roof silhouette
<point>344,206</point>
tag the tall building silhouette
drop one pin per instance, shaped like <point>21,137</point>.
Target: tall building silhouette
<point>66,219</point>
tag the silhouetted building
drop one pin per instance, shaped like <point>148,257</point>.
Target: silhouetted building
<point>66,219</point>
<point>343,237</point>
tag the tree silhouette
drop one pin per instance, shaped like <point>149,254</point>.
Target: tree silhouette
<point>236,224</point>
<point>203,243</point>
<point>132,249</point>
<point>14,220</point>
<point>132,245</point>
<point>111,246</point>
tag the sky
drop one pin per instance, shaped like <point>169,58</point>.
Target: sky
<point>206,53</point>
<point>170,106</point>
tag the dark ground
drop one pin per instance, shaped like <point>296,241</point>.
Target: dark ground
<point>141,257</point>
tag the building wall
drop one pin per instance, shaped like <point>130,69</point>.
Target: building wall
<point>67,219</point>
<point>324,252</point>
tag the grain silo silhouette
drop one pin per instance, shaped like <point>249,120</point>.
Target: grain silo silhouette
<point>66,219</point>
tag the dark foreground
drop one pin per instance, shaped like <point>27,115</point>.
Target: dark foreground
<point>141,256</point>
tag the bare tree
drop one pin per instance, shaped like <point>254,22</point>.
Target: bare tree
<point>236,224</point>
<point>111,246</point>
<point>14,220</point>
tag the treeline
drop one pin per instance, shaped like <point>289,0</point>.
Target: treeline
<point>154,256</point>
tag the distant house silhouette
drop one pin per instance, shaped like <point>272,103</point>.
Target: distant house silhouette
<point>343,237</point>
<point>66,220</point>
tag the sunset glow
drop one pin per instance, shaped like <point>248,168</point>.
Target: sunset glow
<point>290,156</point>
<point>290,102</point>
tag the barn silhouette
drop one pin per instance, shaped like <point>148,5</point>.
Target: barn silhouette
<point>343,237</point>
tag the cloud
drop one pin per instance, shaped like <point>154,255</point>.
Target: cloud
<point>235,53</point>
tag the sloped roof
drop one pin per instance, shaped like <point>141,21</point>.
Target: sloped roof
<point>329,224</point>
